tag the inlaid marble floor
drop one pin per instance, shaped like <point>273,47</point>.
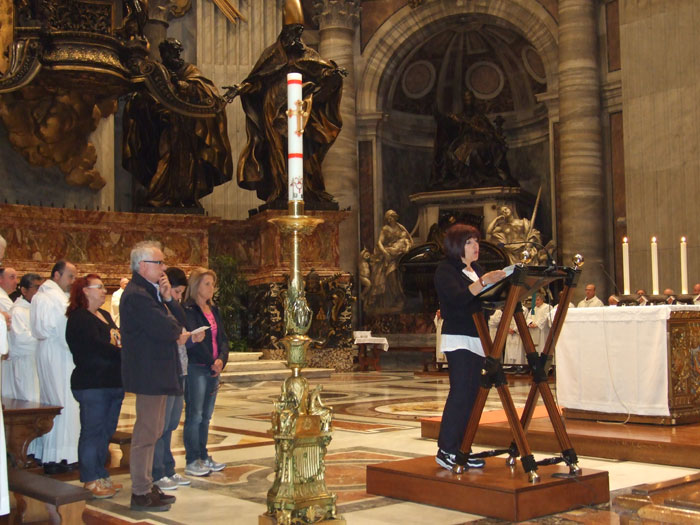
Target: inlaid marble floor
<point>376,420</point>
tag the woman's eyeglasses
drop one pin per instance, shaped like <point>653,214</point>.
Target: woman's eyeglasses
<point>97,286</point>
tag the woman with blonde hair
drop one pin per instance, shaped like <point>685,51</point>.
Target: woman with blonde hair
<point>206,360</point>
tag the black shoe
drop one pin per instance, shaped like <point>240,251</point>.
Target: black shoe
<point>148,502</point>
<point>155,490</point>
<point>445,459</point>
<point>475,462</point>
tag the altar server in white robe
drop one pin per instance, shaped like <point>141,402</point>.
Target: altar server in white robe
<point>8,284</point>
<point>55,364</point>
<point>22,381</point>
<point>4,493</point>
<point>538,321</point>
<point>514,352</point>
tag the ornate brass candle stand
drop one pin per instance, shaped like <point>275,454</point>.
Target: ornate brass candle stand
<point>301,424</point>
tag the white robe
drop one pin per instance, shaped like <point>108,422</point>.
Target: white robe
<point>4,493</point>
<point>54,364</point>
<point>5,370</point>
<point>540,318</point>
<point>589,303</point>
<point>514,352</point>
<point>116,298</point>
<point>22,381</point>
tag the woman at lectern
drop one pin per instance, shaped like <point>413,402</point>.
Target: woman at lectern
<point>458,279</point>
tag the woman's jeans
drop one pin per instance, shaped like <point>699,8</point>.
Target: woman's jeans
<point>99,415</point>
<point>163,460</point>
<point>200,396</point>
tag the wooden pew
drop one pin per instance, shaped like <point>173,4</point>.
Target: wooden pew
<point>123,439</point>
<point>62,500</point>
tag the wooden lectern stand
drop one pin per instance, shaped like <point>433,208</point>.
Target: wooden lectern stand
<point>499,490</point>
<point>522,282</point>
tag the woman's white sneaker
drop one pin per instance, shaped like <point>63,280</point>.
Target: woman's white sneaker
<point>197,468</point>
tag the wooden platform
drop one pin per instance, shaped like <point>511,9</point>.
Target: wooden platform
<point>495,491</point>
<point>664,445</point>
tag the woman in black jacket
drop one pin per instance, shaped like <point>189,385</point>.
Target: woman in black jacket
<point>206,360</point>
<point>96,381</point>
<point>458,279</point>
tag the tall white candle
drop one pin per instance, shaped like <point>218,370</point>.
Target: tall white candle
<point>626,265</point>
<point>684,266</point>
<point>295,142</point>
<point>654,267</point>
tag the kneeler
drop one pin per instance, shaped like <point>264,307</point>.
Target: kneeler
<point>519,284</point>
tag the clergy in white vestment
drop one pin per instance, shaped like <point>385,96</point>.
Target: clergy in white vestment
<point>116,298</point>
<point>55,364</point>
<point>22,381</point>
<point>590,300</point>
<point>514,352</point>
<point>8,284</point>
<point>538,321</point>
<point>4,493</point>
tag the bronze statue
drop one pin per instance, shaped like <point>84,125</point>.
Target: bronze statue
<point>177,158</point>
<point>263,161</point>
<point>469,151</point>
<point>514,234</point>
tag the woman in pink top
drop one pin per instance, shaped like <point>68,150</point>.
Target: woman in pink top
<point>206,360</point>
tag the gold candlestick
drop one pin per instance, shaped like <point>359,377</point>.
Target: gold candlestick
<point>301,424</point>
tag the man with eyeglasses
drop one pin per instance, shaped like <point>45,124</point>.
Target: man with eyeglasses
<point>151,329</point>
<point>8,284</point>
<point>54,363</point>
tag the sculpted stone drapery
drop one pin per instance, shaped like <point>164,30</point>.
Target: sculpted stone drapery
<point>515,234</point>
<point>394,241</point>
<point>262,164</point>
<point>178,159</point>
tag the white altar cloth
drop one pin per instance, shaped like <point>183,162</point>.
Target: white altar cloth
<point>367,338</point>
<point>614,359</point>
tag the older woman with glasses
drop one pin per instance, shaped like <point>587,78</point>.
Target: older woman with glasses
<point>206,360</point>
<point>96,382</point>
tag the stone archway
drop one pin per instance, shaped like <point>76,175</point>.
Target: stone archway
<point>399,35</point>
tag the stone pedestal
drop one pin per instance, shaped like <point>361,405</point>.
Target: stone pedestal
<point>479,202</point>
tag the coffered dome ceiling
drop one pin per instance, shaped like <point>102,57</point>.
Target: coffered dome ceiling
<point>501,68</point>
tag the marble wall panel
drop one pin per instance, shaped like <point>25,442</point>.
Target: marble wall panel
<point>98,241</point>
<point>660,50</point>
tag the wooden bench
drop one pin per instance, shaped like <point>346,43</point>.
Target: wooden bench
<point>62,500</point>
<point>123,439</point>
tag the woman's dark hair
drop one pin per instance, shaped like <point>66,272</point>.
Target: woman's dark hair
<point>176,276</point>
<point>77,296</point>
<point>456,237</point>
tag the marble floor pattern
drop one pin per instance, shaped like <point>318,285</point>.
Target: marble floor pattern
<point>376,419</point>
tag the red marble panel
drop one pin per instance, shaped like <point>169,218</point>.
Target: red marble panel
<point>612,29</point>
<point>98,241</point>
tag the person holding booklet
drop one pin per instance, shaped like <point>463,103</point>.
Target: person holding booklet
<point>458,279</point>
<point>206,360</point>
<point>163,472</point>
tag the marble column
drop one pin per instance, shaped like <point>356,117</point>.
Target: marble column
<point>581,181</point>
<point>337,21</point>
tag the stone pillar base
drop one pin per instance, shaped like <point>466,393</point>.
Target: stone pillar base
<point>265,519</point>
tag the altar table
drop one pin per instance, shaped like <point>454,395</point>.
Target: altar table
<point>636,363</point>
<point>25,421</point>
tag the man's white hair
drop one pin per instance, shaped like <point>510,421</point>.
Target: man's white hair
<point>143,251</point>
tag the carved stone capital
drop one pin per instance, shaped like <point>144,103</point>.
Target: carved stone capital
<point>337,13</point>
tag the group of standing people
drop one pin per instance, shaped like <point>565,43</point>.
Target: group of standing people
<point>164,352</point>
